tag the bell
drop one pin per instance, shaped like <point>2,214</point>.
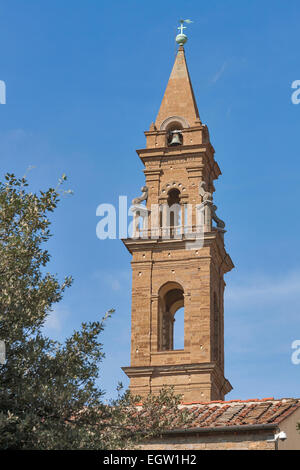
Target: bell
<point>176,138</point>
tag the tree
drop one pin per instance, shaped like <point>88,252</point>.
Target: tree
<point>49,398</point>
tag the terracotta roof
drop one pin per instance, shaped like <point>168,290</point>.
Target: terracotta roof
<point>240,413</point>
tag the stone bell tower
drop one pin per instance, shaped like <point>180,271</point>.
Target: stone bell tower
<point>178,257</point>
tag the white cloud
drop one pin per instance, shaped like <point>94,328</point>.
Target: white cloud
<point>14,136</point>
<point>262,314</point>
<point>56,319</point>
<point>115,281</point>
<point>115,284</point>
<point>220,72</point>
<point>261,288</point>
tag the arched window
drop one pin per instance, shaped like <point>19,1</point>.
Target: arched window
<point>171,299</point>
<point>174,208</point>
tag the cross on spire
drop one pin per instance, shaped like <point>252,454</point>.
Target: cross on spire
<point>181,38</point>
<point>181,27</point>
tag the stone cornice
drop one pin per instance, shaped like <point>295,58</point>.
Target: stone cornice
<point>180,369</point>
<point>210,239</point>
<point>175,151</point>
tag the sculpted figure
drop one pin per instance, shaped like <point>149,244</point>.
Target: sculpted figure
<point>143,197</point>
<point>206,196</point>
<point>219,222</point>
<point>208,199</point>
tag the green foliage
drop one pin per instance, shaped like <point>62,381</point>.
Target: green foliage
<point>49,397</point>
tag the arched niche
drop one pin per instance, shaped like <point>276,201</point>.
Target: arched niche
<point>171,299</point>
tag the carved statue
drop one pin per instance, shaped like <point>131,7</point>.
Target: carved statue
<point>219,222</point>
<point>206,196</point>
<point>143,197</point>
<point>207,199</point>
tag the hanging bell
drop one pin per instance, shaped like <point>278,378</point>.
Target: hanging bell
<point>176,138</point>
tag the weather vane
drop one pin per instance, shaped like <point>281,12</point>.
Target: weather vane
<point>181,38</point>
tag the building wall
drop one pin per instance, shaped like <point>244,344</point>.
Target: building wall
<point>214,441</point>
<point>289,426</point>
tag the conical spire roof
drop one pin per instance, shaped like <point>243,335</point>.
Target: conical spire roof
<point>179,99</point>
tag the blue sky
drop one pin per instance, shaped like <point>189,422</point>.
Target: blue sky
<point>84,81</point>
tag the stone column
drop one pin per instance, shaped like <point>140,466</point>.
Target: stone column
<point>207,216</point>
<point>165,227</point>
<point>182,220</point>
<point>136,221</point>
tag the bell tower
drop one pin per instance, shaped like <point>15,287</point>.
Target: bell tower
<point>178,254</point>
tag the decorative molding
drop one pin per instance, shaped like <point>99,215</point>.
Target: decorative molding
<point>171,119</point>
<point>173,185</point>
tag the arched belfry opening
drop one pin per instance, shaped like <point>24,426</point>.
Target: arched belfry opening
<point>174,134</point>
<point>174,210</point>
<point>171,299</point>
<point>173,197</point>
<point>173,126</point>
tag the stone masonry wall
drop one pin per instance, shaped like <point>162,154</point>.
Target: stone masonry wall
<point>214,441</point>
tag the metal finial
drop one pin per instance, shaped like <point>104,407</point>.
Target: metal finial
<point>181,38</point>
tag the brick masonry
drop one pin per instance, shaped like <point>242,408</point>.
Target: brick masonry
<point>161,267</point>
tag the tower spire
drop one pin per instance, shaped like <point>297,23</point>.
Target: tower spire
<point>179,98</point>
